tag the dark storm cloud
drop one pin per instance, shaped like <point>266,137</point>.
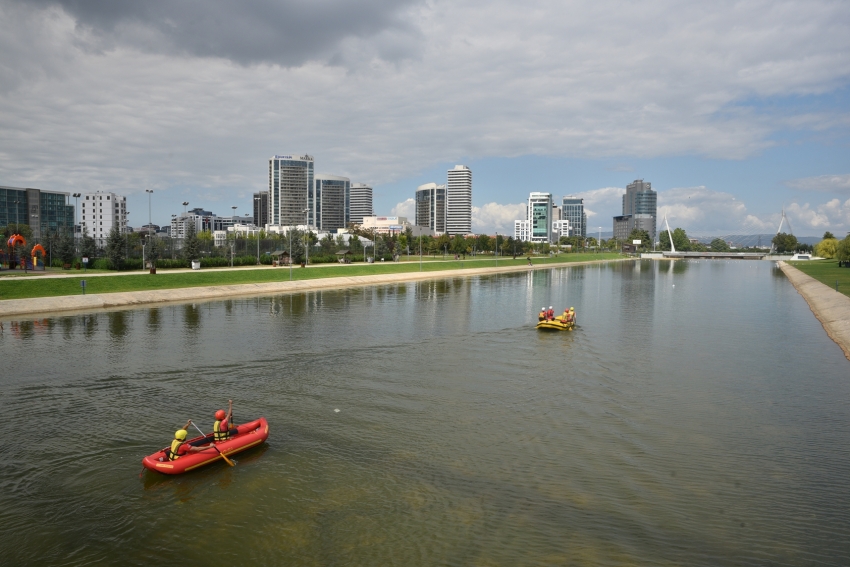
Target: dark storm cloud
<point>285,32</point>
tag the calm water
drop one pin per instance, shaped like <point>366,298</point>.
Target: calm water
<point>698,416</point>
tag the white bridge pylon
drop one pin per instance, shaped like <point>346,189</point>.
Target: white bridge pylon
<point>783,220</point>
<point>669,234</point>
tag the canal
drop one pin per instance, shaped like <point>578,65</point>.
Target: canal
<point>697,416</point>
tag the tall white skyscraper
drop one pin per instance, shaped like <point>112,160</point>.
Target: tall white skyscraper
<point>290,182</point>
<point>360,203</point>
<point>459,201</point>
<point>100,212</point>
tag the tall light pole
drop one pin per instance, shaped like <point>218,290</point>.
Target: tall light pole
<point>233,223</point>
<point>257,201</point>
<point>150,193</point>
<point>497,249</point>
<point>185,204</point>
<point>76,208</point>
<point>307,237</point>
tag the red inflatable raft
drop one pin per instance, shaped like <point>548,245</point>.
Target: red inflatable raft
<point>248,435</point>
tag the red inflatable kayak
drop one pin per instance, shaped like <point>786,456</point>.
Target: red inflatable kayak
<point>248,435</point>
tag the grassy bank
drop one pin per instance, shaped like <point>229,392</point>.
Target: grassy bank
<point>22,288</point>
<point>826,272</point>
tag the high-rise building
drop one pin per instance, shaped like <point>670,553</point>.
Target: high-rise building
<point>360,203</point>
<point>572,209</point>
<point>290,182</point>
<point>101,211</point>
<point>42,211</point>
<point>261,208</point>
<point>459,201</point>
<point>431,207</point>
<point>640,205</point>
<point>539,217</point>
<point>327,202</point>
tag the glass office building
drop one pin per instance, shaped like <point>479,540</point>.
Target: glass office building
<point>431,207</point>
<point>572,209</point>
<point>329,201</point>
<point>43,211</point>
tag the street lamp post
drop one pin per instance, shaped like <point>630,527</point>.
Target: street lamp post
<point>257,200</point>
<point>307,237</point>
<point>150,194</point>
<point>235,234</point>
<point>497,249</point>
<point>76,208</point>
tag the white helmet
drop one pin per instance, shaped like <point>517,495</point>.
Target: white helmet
<point>550,307</point>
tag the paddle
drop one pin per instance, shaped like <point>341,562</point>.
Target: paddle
<point>226,460</point>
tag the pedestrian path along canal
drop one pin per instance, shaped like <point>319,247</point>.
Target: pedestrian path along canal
<point>697,416</point>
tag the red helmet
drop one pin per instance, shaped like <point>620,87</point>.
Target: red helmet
<point>219,415</point>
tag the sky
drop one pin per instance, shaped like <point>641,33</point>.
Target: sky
<point>733,110</point>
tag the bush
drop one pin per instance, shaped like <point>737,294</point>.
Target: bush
<point>101,264</point>
<point>132,264</point>
<point>168,263</point>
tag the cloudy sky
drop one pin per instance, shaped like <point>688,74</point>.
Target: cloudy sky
<point>733,110</point>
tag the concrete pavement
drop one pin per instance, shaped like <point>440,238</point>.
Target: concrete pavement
<point>830,307</point>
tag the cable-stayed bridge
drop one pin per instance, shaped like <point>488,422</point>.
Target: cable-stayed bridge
<point>750,237</point>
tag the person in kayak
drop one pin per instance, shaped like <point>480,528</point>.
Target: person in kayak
<point>179,447</point>
<point>221,428</point>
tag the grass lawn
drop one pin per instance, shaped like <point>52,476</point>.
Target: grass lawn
<point>21,288</point>
<point>827,272</point>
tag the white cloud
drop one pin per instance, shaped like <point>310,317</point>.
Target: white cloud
<point>705,212</point>
<point>825,183</point>
<point>406,208</point>
<point>83,106</point>
<point>496,217</point>
<point>832,215</point>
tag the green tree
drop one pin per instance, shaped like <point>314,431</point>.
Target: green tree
<point>442,243</point>
<point>643,236</point>
<point>65,248</point>
<point>827,235</point>
<point>827,248</point>
<point>680,240</point>
<point>154,250</point>
<point>191,244</point>
<point>402,243</point>
<point>458,245</point>
<point>842,252</point>
<point>719,245</point>
<point>327,244</point>
<point>784,243</point>
<point>88,247</point>
<point>115,247</point>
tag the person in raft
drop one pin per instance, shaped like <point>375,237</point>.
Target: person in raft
<point>179,447</point>
<point>550,314</point>
<point>542,315</point>
<point>569,315</point>
<point>221,428</point>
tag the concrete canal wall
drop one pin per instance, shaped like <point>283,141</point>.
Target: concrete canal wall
<point>830,307</point>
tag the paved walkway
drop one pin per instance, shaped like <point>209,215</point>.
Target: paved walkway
<point>53,305</point>
<point>830,307</point>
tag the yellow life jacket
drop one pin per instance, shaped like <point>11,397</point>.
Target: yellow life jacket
<point>219,434</point>
<point>172,452</point>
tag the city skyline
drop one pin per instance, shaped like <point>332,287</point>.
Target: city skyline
<point>734,112</point>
